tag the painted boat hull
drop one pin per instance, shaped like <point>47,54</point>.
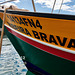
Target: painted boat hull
<point>52,64</point>
<point>40,58</point>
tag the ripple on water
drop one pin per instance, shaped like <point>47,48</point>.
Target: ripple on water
<point>10,62</point>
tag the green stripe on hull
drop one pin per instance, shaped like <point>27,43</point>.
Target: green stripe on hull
<point>48,62</point>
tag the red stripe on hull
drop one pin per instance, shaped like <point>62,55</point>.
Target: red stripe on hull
<point>63,54</point>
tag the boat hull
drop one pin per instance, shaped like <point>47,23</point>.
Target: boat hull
<point>47,41</point>
<point>49,63</point>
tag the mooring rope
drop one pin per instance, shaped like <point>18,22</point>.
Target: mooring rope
<point>2,32</point>
<point>7,1</point>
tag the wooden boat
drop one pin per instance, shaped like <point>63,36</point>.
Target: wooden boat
<point>46,40</point>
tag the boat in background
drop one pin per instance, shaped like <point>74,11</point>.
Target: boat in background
<point>1,18</point>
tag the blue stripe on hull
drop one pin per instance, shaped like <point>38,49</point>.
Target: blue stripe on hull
<point>35,69</point>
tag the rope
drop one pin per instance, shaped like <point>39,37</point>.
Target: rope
<point>7,1</point>
<point>61,6</point>
<point>33,5</point>
<point>2,32</point>
<point>2,29</point>
<point>53,6</point>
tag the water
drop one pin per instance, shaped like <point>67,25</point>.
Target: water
<point>10,62</point>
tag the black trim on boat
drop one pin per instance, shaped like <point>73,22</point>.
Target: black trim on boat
<point>46,15</point>
<point>1,10</point>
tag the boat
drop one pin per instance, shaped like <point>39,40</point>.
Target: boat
<point>44,41</point>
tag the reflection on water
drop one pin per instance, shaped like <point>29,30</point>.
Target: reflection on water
<point>10,62</point>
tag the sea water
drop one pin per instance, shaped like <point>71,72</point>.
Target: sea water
<point>10,61</point>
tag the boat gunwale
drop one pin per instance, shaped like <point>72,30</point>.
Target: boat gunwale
<point>39,14</point>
